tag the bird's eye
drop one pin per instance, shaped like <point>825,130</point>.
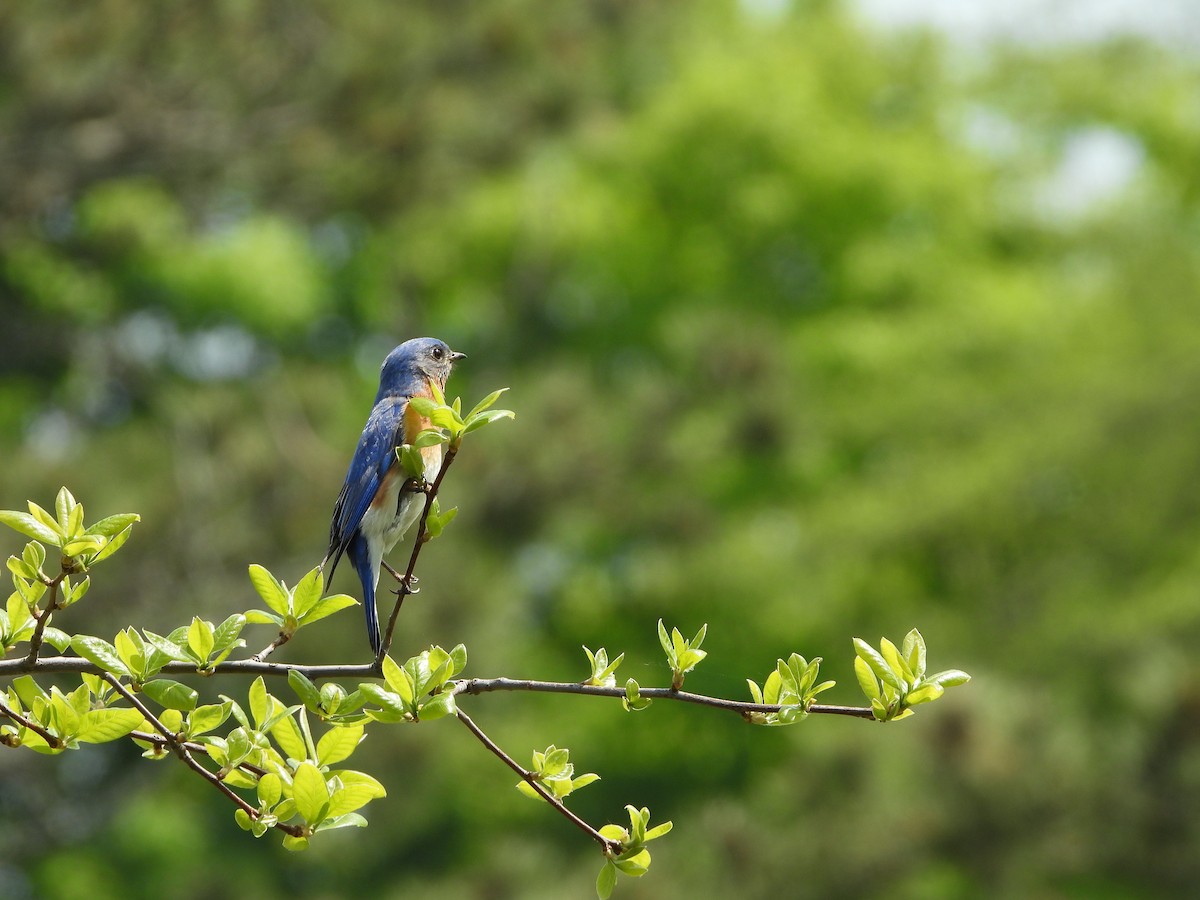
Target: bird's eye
<point>438,353</point>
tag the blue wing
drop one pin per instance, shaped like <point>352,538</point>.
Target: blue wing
<point>376,453</point>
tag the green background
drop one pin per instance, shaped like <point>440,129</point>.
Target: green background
<point>810,335</point>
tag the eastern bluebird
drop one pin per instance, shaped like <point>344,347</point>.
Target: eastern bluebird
<point>373,511</point>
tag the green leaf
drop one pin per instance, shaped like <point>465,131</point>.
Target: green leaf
<point>100,652</point>
<point>305,689</point>
<point>584,780</point>
<point>949,678</point>
<point>529,791</point>
<point>659,830</point>
<point>45,518</point>
<point>923,694</point>
<point>115,543</point>
<point>262,617</point>
<point>663,639</point>
<point>56,638</point>
<point>866,679</point>
<point>310,793</point>
<point>913,648</point>
<point>487,418</point>
<point>200,638</point>
<point>878,664</point>
<point>399,680</point>
<point>113,525</point>
<point>895,661</point>
<point>458,659</point>
<point>270,789</point>
<point>350,820</point>
<point>437,707</point>
<point>606,881</point>
<point>423,405</point>
<point>75,524</point>
<point>260,705</point>
<point>429,437</point>
<point>358,789</point>
<point>65,506</point>
<point>307,592</point>
<point>290,739</point>
<point>77,592</point>
<point>98,726</point>
<point>167,647</point>
<point>226,634</point>
<point>243,819</point>
<point>486,403</point>
<point>385,699</point>
<point>412,462</point>
<point>269,589</point>
<point>31,527</point>
<point>635,865</point>
<point>614,833</point>
<point>171,694</point>
<point>205,718</point>
<point>338,743</point>
<point>327,606</point>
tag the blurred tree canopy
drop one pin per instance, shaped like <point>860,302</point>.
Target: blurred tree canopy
<point>811,332</point>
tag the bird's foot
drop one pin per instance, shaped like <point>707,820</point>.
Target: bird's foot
<point>407,585</point>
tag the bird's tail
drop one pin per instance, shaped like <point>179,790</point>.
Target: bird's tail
<point>368,575</point>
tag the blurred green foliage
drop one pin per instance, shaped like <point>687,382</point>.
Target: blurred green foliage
<point>802,347</point>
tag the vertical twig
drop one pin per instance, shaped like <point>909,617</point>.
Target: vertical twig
<point>612,848</point>
<point>406,579</point>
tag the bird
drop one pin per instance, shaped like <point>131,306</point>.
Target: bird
<point>374,509</point>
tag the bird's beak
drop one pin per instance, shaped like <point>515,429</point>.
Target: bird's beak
<point>455,356</point>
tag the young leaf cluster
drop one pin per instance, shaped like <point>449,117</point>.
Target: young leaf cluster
<point>894,680</point>
<point>55,721</point>
<point>290,609</point>
<point>81,546</point>
<point>449,425</point>
<point>273,752</point>
<point>632,858</point>
<point>140,657</point>
<point>792,685</point>
<point>416,691</point>
<point>682,655</point>
<point>37,595</point>
<point>603,671</point>
<point>554,771</point>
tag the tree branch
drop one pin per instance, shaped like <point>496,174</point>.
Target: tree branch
<point>35,639</point>
<point>192,746</point>
<point>487,685</point>
<point>79,665</point>
<point>266,651</point>
<point>611,848</point>
<point>25,721</point>
<point>181,750</point>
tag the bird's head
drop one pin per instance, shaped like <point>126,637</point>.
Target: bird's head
<point>415,362</point>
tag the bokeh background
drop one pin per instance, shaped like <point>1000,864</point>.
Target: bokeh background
<point>818,323</point>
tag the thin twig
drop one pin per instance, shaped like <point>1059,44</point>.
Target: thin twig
<point>79,665</point>
<point>181,750</point>
<point>406,581</point>
<point>43,619</point>
<point>192,746</point>
<point>266,651</point>
<point>611,848</point>
<point>51,740</point>
<point>487,685</point>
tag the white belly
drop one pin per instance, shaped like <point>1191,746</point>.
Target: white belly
<point>387,521</point>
